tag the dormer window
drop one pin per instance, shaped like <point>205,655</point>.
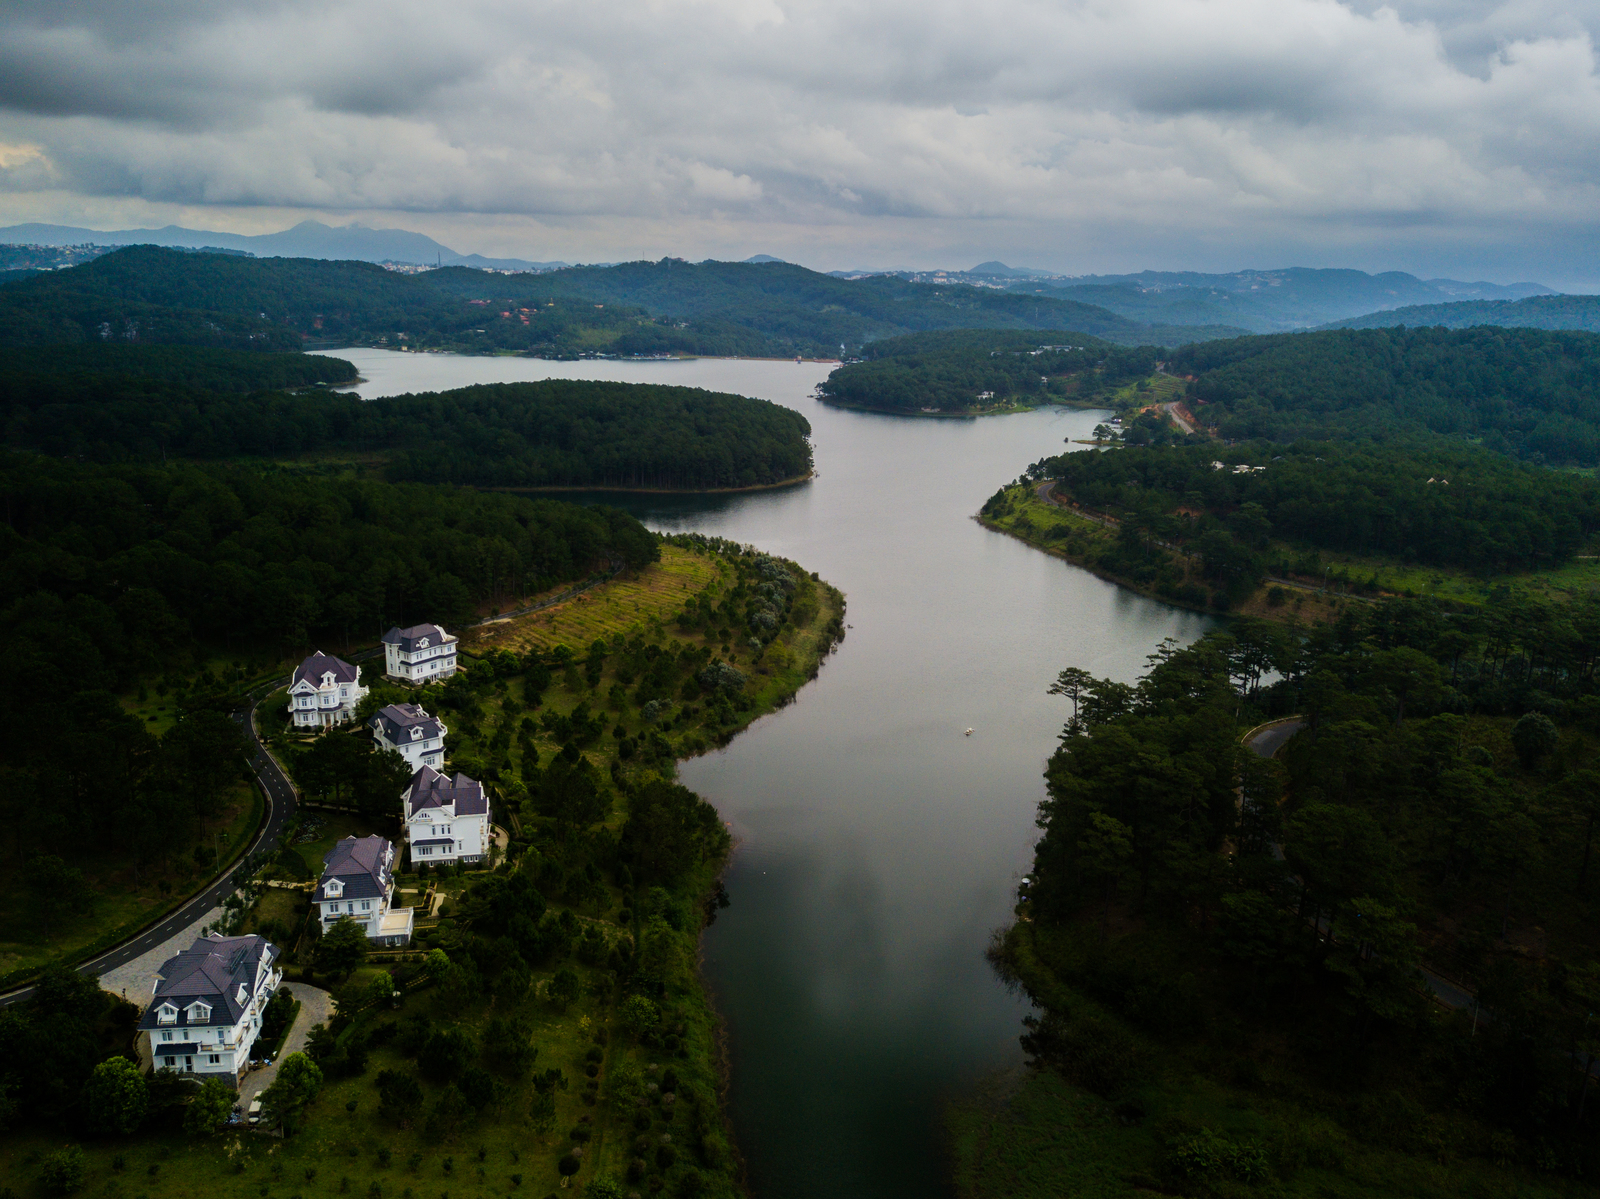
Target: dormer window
<point>422,643</point>
<point>166,1014</point>
<point>199,1013</point>
<point>416,734</point>
<point>334,888</point>
<point>241,996</point>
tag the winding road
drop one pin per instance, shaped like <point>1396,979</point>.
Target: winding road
<point>280,798</point>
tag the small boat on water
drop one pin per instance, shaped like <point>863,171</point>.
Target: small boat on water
<point>968,733</point>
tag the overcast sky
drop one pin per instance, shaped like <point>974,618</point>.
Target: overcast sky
<point>1457,138</point>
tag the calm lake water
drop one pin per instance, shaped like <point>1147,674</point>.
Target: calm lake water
<point>878,846</point>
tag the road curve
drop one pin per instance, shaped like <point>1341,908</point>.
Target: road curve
<point>1270,738</point>
<point>280,799</point>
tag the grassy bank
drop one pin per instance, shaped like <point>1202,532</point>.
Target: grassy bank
<point>1313,588</point>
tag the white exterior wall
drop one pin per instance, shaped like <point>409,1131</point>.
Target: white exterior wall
<point>232,1042</point>
<point>424,664</point>
<point>314,706</point>
<point>425,751</point>
<point>470,834</point>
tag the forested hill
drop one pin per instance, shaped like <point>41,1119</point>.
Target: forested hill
<point>1429,501</point>
<point>111,573</point>
<point>1534,312</point>
<point>1226,948</point>
<point>1526,392</point>
<point>558,433</point>
<point>70,367</point>
<point>152,295</point>
<point>982,370</point>
<point>788,301</point>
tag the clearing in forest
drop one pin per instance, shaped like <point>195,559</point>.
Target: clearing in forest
<point>628,603</point>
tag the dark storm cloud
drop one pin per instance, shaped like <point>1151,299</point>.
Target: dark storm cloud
<point>1244,122</point>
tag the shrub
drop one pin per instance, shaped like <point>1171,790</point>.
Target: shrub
<point>63,1170</point>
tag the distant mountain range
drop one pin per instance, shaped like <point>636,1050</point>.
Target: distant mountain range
<point>308,239</point>
<point>1533,312</point>
<point>1161,306</point>
<point>1261,301</point>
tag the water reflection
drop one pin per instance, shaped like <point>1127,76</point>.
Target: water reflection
<point>878,846</point>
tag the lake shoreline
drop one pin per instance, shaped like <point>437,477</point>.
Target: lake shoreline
<point>794,481</point>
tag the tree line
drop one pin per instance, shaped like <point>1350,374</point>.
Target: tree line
<point>950,371</point>
<point>1528,393</point>
<point>149,405</point>
<point>1422,501</point>
<point>1261,919</point>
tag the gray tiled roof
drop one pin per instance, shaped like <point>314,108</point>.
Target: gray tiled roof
<point>407,639</point>
<point>430,789</point>
<point>397,720</point>
<point>318,664</point>
<point>358,863</point>
<point>211,970</point>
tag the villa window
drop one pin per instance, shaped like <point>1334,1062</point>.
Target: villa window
<point>166,1036</point>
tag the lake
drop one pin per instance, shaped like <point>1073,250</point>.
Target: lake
<point>878,844</point>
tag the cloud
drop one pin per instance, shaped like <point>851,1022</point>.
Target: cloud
<point>1231,124</point>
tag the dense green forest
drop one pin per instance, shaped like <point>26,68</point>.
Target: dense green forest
<point>561,432</point>
<point>152,403</point>
<point>148,294</point>
<point>1530,393</point>
<point>34,375</point>
<point>1532,312</point>
<point>1230,949</point>
<point>114,571</point>
<point>1413,501</point>
<point>950,371</point>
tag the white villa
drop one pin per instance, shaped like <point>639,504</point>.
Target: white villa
<point>324,692</point>
<point>412,733</point>
<point>206,1011</point>
<point>447,820</point>
<point>423,653</point>
<point>357,884</point>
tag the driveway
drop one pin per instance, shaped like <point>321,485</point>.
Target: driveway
<point>316,1006</point>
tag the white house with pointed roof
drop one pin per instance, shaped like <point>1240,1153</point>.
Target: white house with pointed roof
<point>357,884</point>
<point>411,732</point>
<point>206,1011</point>
<point>324,692</point>
<point>447,819</point>
<point>424,653</point>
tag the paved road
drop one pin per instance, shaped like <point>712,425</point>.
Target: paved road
<point>1269,740</point>
<point>1171,409</point>
<point>316,1006</point>
<point>195,914</point>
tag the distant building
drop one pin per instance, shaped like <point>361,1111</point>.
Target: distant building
<point>357,884</point>
<point>412,733</point>
<point>421,654</point>
<point>324,692</point>
<point>447,820</point>
<point>206,1011</point>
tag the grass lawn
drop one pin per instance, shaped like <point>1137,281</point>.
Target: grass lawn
<point>618,608</point>
<point>121,903</point>
<point>645,607</point>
